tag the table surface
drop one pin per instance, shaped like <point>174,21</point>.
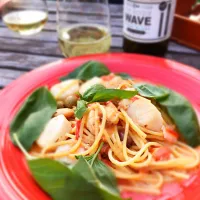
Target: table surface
<point>19,55</point>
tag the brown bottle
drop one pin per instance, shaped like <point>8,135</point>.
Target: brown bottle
<point>148,26</point>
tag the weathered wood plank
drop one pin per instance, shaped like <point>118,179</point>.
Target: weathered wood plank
<point>43,36</point>
<point>22,61</point>
<point>8,73</point>
<point>82,18</point>
<point>178,48</point>
<point>29,47</point>
<point>115,9</point>
<point>188,59</point>
<point>4,82</point>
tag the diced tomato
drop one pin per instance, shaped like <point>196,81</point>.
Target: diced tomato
<point>161,153</point>
<point>77,95</point>
<point>108,77</point>
<point>144,170</point>
<point>134,99</point>
<point>107,162</point>
<point>170,135</point>
<point>78,125</point>
<point>152,149</point>
<point>173,132</point>
<point>103,139</point>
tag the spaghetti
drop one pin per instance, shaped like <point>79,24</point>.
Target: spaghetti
<point>141,158</point>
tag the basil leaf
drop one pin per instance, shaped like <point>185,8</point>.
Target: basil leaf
<point>81,109</point>
<point>61,182</point>
<point>87,71</point>
<point>183,115</point>
<point>31,119</point>
<point>98,93</point>
<point>124,76</point>
<point>104,175</point>
<point>83,167</point>
<point>90,93</point>
<point>109,94</point>
<point>106,190</point>
<point>151,91</point>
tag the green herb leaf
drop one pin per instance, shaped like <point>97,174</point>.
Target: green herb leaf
<point>90,93</point>
<point>105,176</point>
<point>31,119</point>
<point>98,93</point>
<point>62,182</point>
<point>78,182</point>
<point>81,109</point>
<point>24,151</point>
<point>183,115</point>
<point>88,172</point>
<point>109,94</point>
<point>124,76</point>
<point>103,173</point>
<point>151,91</point>
<point>87,71</point>
<point>106,180</point>
<point>83,167</point>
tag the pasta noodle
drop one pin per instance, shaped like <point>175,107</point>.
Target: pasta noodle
<point>131,155</point>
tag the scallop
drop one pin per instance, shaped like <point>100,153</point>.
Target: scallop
<point>88,84</point>
<point>64,89</point>
<point>145,114</point>
<point>55,128</point>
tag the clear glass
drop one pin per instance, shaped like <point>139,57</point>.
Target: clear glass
<point>83,27</point>
<point>26,17</point>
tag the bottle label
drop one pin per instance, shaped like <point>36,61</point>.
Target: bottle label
<point>148,21</point>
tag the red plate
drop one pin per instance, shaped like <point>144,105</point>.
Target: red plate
<point>15,180</point>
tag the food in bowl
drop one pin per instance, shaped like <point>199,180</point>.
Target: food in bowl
<point>97,134</point>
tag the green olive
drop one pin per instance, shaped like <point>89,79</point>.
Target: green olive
<point>70,101</point>
<point>60,104</point>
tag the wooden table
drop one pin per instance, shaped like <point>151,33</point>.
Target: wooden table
<point>19,55</point>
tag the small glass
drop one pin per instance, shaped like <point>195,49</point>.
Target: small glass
<point>83,27</point>
<point>26,17</point>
